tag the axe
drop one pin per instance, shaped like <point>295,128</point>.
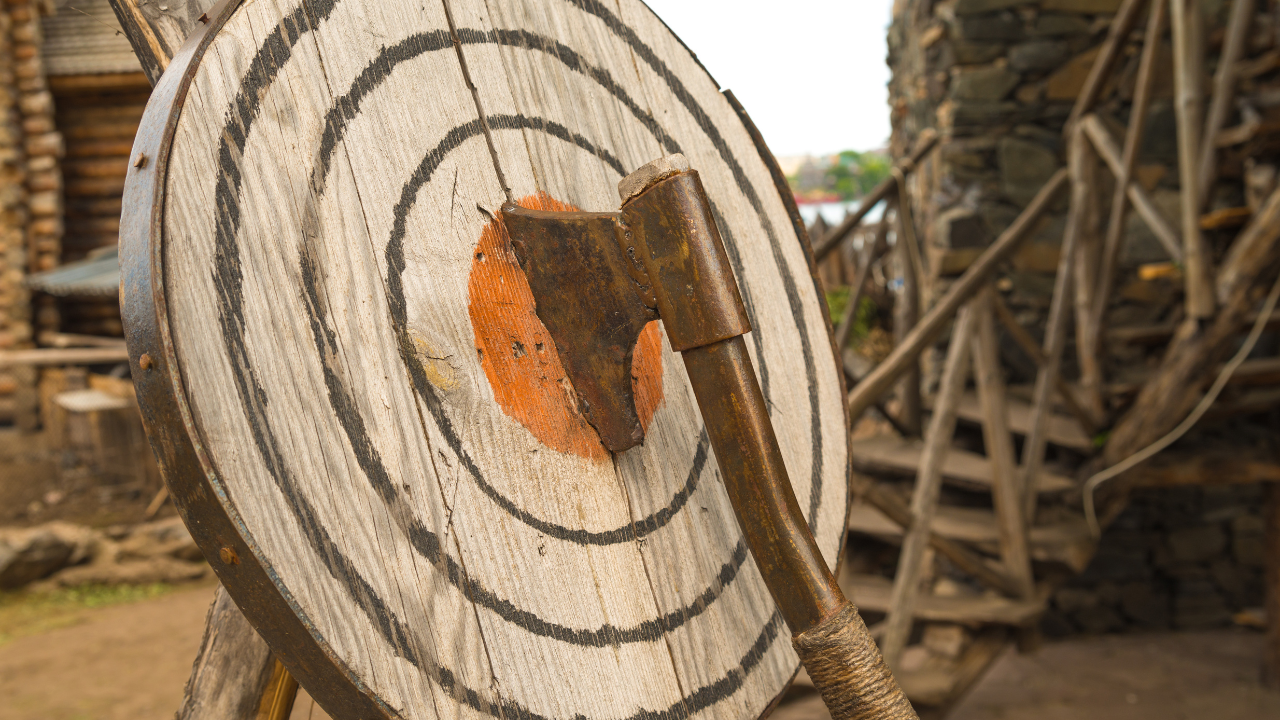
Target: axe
<point>597,280</point>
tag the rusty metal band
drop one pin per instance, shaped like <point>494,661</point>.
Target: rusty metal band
<point>188,471</point>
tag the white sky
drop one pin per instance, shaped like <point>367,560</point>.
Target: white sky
<point>810,72</point>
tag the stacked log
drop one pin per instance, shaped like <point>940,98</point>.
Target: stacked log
<point>17,385</point>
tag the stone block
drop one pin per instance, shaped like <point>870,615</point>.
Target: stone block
<point>974,7</point>
<point>960,228</point>
<point>1001,26</point>
<point>1143,605</point>
<point>1025,166</point>
<point>1197,544</point>
<point>1098,620</point>
<point>991,83</point>
<point>31,554</point>
<point>976,53</point>
<point>1083,7</point>
<point>1068,81</point>
<point>1038,55</point>
<point>1056,25</point>
<point>1071,600</point>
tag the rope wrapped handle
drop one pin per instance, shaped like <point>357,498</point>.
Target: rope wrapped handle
<point>846,666</point>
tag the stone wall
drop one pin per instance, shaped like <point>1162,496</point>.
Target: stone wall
<point>1185,558</point>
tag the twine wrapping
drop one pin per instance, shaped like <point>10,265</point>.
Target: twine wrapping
<point>848,670</point>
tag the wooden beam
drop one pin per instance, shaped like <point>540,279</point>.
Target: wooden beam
<point>1128,160</point>
<point>1117,35</point>
<point>1224,90</point>
<point>1188,70</point>
<point>850,316</point>
<point>924,500</point>
<point>1006,489</point>
<point>1196,349</point>
<point>1088,252</point>
<point>1142,202</point>
<point>71,340</point>
<point>156,30</point>
<point>879,380</point>
<point>823,247</point>
<point>61,356</point>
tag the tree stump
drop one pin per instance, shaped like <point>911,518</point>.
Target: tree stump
<point>359,414</point>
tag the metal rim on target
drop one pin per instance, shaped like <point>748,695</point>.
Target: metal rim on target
<point>360,417</point>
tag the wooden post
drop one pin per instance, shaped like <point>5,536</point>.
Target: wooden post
<point>1188,70</point>
<point>906,314</point>
<point>1224,88</point>
<point>924,501</point>
<point>1006,492</point>
<point>1132,142</point>
<point>1055,332</point>
<point>233,670</point>
<point>878,381</point>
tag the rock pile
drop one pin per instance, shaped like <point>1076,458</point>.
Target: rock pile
<point>61,554</point>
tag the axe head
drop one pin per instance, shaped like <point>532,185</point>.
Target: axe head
<point>592,299</point>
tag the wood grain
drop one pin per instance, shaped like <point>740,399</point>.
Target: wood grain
<point>322,234</point>
<point>232,669</point>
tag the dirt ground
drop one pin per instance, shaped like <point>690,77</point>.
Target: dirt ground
<point>130,662</point>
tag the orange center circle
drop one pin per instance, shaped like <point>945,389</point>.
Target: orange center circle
<point>521,360</point>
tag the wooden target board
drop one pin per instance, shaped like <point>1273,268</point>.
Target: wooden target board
<point>364,423</point>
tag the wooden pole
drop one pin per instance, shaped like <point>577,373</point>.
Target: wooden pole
<point>1088,248</point>
<point>850,316</point>
<point>907,312</point>
<point>1196,348</point>
<point>1118,33</point>
<point>1006,493</point>
<point>823,247</point>
<point>924,500</point>
<point>1055,334</point>
<point>67,356</point>
<point>1124,178</point>
<point>887,372</point>
<point>1188,70</point>
<point>1224,89</point>
<point>1142,202</point>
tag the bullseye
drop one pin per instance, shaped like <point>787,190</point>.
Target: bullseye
<point>519,358</point>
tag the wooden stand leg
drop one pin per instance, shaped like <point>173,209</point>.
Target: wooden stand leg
<point>235,676</point>
<point>1271,667</point>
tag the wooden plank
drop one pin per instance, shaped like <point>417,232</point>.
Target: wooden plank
<point>1006,483</point>
<point>1188,71</point>
<point>1068,543</point>
<point>928,486</point>
<point>1060,430</point>
<point>1181,470</point>
<point>60,356</point>
<point>872,593</point>
<point>1084,202</point>
<point>1224,89</point>
<point>892,367</point>
<point>899,456</point>
<point>232,670</point>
